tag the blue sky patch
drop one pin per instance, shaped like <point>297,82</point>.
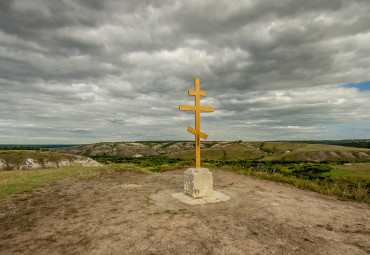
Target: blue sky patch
<point>361,86</point>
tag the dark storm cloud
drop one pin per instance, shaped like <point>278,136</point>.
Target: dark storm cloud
<point>86,71</point>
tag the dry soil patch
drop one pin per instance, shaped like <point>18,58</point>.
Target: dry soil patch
<point>133,213</point>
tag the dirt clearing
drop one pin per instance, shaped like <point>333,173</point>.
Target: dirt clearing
<point>133,213</point>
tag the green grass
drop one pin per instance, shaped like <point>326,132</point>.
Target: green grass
<point>357,191</point>
<point>347,182</point>
<point>355,170</point>
<point>17,181</point>
<point>150,163</point>
<point>336,173</point>
<point>229,151</point>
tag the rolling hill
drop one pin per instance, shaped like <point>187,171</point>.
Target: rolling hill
<point>27,159</point>
<point>264,151</point>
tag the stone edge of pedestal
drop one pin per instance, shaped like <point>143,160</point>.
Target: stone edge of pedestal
<point>216,198</point>
<point>200,169</point>
<point>198,182</point>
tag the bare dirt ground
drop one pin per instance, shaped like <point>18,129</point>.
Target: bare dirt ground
<point>132,213</point>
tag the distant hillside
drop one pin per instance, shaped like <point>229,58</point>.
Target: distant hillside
<point>41,147</point>
<point>360,143</point>
<point>265,151</point>
<point>27,159</point>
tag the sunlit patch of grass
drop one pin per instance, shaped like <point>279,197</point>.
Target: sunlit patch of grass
<point>336,172</point>
<point>144,164</point>
<point>356,170</point>
<point>16,181</point>
<point>128,168</point>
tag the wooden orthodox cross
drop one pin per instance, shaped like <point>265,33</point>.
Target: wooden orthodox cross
<point>197,108</point>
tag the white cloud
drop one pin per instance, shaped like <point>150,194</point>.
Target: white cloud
<point>87,71</point>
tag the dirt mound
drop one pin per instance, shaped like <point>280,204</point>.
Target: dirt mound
<point>23,160</point>
<point>130,213</point>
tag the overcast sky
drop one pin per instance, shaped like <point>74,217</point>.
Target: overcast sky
<point>85,71</point>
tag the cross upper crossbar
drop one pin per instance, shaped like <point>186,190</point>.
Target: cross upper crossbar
<point>197,109</point>
<point>195,93</point>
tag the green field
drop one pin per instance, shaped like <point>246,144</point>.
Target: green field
<point>353,171</point>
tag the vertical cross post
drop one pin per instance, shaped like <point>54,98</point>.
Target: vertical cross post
<point>197,109</point>
<point>197,122</point>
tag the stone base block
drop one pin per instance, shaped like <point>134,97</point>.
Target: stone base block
<point>198,182</point>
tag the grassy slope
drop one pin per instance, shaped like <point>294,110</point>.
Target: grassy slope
<point>25,180</point>
<point>316,151</point>
<point>353,171</point>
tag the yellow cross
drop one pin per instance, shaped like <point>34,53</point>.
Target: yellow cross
<point>197,108</point>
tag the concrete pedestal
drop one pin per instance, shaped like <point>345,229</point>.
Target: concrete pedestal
<point>198,182</point>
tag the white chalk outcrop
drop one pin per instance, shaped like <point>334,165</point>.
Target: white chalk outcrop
<point>30,163</point>
<point>42,160</point>
<point>2,164</point>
